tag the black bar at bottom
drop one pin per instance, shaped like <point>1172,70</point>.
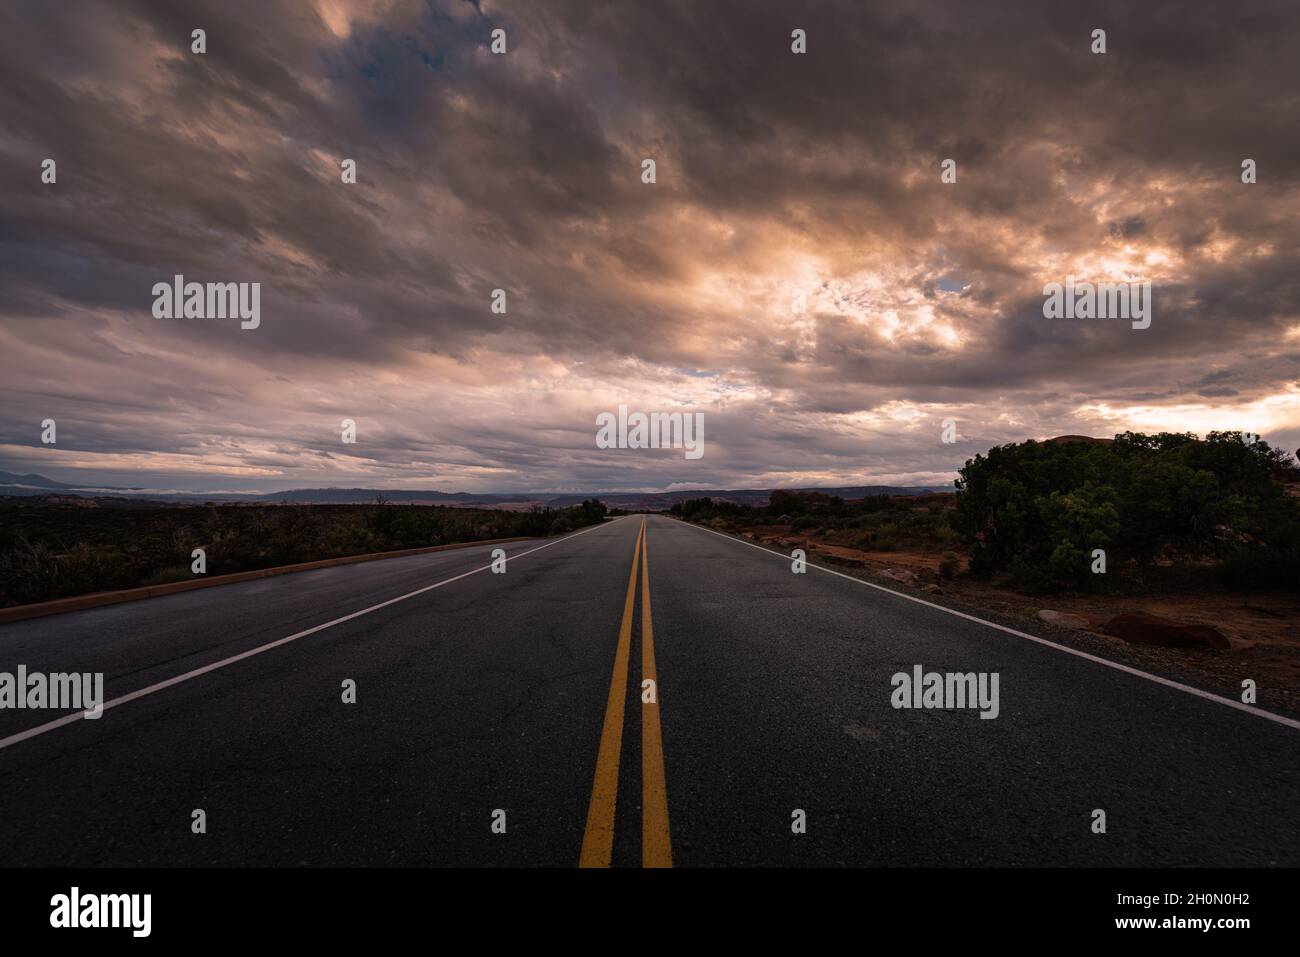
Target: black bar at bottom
<point>302,907</point>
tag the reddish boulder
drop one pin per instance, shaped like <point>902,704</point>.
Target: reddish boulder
<point>1064,619</point>
<point>901,575</point>
<point>1140,628</point>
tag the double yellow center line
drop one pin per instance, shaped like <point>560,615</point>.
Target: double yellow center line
<point>598,838</point>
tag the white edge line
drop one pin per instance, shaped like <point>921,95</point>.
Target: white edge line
<point>1240,706</point>
<point>167,683</point>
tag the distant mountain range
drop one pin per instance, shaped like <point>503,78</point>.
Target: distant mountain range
<point>10,480</point>
<point>28,485</point>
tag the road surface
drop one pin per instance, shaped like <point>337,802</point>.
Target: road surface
<point>523,693</point>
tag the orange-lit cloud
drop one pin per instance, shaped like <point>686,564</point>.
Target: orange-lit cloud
<point>798,272</point>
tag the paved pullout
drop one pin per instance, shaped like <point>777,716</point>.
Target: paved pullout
<point>489,692</point>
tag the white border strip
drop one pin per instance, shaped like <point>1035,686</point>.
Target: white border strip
<point>178,679</point>
<point>1249,709</point>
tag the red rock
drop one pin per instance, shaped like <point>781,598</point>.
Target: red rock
<point>901,575</point>
<point>1143,629</point>
<point>1064,619</point>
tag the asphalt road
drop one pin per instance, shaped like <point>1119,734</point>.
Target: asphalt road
<point>502,692</point>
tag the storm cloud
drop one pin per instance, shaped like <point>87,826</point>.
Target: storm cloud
<point>798,272</point>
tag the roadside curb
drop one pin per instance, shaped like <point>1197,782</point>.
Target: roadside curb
<point>80,602</point>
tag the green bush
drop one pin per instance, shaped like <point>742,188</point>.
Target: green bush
<point>1038,510</point>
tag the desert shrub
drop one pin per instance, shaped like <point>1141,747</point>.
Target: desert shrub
<point>165,576</point>
<point>55,551</point>
<point>949,565</point>
<point>1038,510</point>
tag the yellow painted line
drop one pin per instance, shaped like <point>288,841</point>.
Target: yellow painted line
<point>598,838</point>
<point>656,845</point>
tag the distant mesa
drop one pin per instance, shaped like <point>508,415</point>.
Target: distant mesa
<point>29,481</point>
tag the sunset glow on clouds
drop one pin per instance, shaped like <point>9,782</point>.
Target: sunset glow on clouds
<point>798,272</point>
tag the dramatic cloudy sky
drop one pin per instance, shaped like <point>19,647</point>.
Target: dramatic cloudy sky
<point>798,273</point>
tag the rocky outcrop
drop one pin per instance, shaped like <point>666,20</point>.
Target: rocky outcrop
<point>1064,619</point>
<point>1140,628</point>
<point>902,576</point>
